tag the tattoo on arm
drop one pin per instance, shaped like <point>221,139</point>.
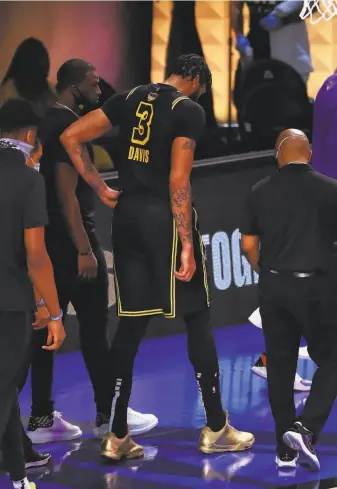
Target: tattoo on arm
<point>180,196</point>
<point>87,163</point>
<point>79,152</point>
<point>189,144</point>
<point>82,152</point>
<point>182,212</point>
<point>180,218</point>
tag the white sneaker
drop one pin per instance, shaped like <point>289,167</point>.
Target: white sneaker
<point>286,461</point>
<point>260,371</point>
<point>101,426</point>
<point>138,423</point>
<point>300,385</point>
<point>52,428</point>
<point>303,352</point>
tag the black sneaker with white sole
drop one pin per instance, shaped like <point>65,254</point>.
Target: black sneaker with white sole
<point>299,438</point>
<point>286,460</point>
<point>33,459</point>
<point>37,459</point>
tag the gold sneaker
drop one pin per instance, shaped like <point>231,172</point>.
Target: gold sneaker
<point>115,448</point>
<point>226,440</point>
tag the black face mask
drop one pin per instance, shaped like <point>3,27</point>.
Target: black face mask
<point>83,103</point>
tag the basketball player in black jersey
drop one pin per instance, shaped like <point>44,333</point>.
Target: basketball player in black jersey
<point>158,252</point>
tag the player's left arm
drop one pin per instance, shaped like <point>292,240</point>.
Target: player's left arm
<point>92,126</point>
<point>189,123</point>
<point>250,241</point>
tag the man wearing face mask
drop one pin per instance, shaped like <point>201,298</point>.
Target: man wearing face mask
<point>288,230</point>
<point>32,153</point>
<point>24,261</point>
<point>79,263</point>
<point>159,259</point>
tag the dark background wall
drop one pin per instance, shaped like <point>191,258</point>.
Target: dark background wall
<point>108,34</point>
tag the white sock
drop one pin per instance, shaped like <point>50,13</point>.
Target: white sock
<point>23,484</point>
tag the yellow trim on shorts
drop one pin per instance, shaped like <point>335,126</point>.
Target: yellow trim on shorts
<point>152,312</point>
<point>177,100</point>
<point>131,92</point>
<point>203,257</point>
<point>172,314</point>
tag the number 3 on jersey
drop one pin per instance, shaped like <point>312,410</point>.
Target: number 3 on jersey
<point>141,134</point>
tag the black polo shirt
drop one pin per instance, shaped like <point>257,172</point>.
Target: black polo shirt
<point>22,206</point>
<point>57,120</point>
<point>294,213</point>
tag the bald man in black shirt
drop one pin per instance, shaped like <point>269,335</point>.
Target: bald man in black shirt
<point>292,216</point>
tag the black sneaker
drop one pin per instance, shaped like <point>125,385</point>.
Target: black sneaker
<point>286,460</point>
<point>37,459</point>
<point>299,438</point>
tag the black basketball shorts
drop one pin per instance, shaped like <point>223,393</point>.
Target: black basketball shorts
<point>146,253</point>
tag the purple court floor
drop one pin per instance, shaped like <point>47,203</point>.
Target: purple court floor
<point>164,385</point>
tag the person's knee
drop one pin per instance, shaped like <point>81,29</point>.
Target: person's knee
<point>95,348</point>
<point>129,334</point>
<point>94,326</point>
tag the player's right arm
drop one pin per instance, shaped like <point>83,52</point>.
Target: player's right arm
<point>90,127</point>
<point>189,123</point>
<point>39,265</point>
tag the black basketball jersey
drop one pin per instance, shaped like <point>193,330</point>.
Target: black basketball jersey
<point>150,117</point>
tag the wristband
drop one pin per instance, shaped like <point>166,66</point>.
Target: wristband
<point>56,318</point>
<point>86,253</point>
<point>40,303</point>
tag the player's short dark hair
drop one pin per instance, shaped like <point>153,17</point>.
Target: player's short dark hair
<point>16,115</point>
<point>72,72</point>
<point>192,65</point>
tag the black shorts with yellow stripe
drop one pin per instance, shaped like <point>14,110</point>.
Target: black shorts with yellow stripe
<point>146,252</point>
